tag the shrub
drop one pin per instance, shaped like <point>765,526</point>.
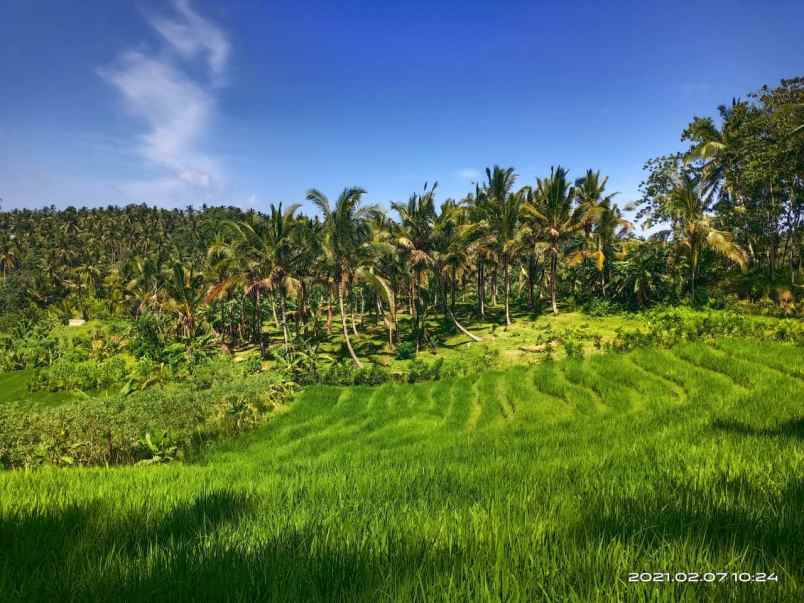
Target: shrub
<point>66,374</point>
<point>154,425</point>
<point>422,371</point>
<point>573,348</point>
<point>670,327</point>
<point>252,365</point>
<point>371,375</point>
<point>601,307</point>
<point>340,373</point>
<point>406,350</point>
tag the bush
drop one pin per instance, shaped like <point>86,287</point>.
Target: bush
<point>252,365</point>
<point>668,327</point>
<point>406,350</point>
<point>602,307</point>
<point>422,371</point>
<point>340,373</point>
<point>66,374</point>
<point>573,348</point>
<point>371,375</point>
<point>154,425</point>
<point>30,349</point>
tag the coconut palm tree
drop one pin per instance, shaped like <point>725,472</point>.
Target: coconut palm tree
<point>183,295</point>
<point>345,232</point>
<point>451,242</point>
<point>603,224</point>
<point>695,231</point>
<point>267,264</point>
<point>414,237</point>
<point>550,205</point>
<point>501,208</point>
<point>9,256</point>
<point>592,198</point>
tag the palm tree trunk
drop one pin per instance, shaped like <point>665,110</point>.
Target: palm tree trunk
<point>462,329</point>
<point>284,319</point>
<point>507,284</point>
<point>341,288</point>
<point>553,277</point>
<point>452,290</point>
<point>329,313</point>
<point>481,289</point>
<point>273,309</point>
<point>258,320</point>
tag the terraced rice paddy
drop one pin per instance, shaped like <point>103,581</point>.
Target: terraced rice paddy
<point>545,482</point>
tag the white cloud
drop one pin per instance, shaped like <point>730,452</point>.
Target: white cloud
<point>176,109</point>
<point>469,174</point>
<point>193,36</point>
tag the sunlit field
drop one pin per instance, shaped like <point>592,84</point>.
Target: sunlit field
<point>401,302</point>
<point>548,482</point>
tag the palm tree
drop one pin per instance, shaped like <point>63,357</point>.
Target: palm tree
<point>640,269</point>
<point>283,258</point>
<point>9,257</point>
<point>345,231</point>
<point>221,272</point>
<point>144,284</point>
<point>715,148</point>
<point>267,264</point>
<point>602,223</point>
<point>550,204</point>
<point>590,191</point>
<point>451,242</point>
<point>695,231</point>
<point>501,208</point>
<point>611,227</point>
<point>184,294</point>
<point>385,270</point>
<point>414,236</point>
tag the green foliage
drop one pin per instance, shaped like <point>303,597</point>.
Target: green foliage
<point>572,348</point>
<point>148,337</point>
<point>157,424</point>
<point>599,306</point>
<point>549,482</point>
<point>669,327</point>
<point>406,350</point>
<point>66,374</point>
<point>371,375</point>
<point>251,365</point>
<point>424,371</point>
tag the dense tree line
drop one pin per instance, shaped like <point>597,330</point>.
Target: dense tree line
<point>730,205</point>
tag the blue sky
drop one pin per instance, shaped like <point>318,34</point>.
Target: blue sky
<point>248,103</point>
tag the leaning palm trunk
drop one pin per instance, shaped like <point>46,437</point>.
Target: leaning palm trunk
<point>462,329</point>
<point>346,339</point>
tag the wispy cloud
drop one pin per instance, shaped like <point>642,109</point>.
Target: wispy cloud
<point>193,35</point>
<point>176,108</point>
<point>470,174</point>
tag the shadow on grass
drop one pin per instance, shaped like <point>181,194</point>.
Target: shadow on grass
<point>202,550</point>
<point>734,516</point>
<point>793,428</point>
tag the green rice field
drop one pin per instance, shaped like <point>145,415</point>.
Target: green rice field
<point>547,482</point>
